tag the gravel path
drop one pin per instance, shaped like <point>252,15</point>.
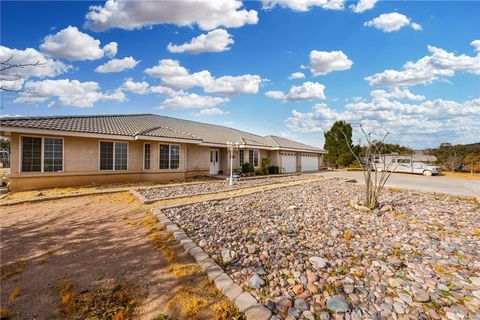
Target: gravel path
<point>302,250</point>
<point>199,188</point>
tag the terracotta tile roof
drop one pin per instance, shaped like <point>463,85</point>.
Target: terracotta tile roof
<point>153,125</point>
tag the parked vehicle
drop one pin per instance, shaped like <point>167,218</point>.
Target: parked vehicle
<point>403,163</point>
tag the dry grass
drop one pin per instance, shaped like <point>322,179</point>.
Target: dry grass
<point>5,313</point>
<point>184,270</point>
<point>116,302</point>
<point>12,270</point>
<point>461,175</point>
<point>15,294</point>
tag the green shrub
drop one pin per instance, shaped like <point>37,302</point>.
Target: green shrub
<point>273,170</point>
<point>259,172</point>
<point>247,167</point>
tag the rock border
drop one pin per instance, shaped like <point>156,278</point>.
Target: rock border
<point>242,299</point>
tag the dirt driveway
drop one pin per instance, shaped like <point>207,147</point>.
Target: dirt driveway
<point>98,256</point>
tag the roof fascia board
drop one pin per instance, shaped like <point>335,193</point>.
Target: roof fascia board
<point>299,150</point>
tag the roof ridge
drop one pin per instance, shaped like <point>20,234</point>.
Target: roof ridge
<point>77,116</point>
<point>166,127</point>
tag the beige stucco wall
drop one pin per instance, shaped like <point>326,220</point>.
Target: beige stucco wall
<point>81,165</point>
<point>198,158</point>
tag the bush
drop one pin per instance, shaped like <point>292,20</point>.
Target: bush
<point>273,170</point>
<point>247,167</point>
<point>259,172</point>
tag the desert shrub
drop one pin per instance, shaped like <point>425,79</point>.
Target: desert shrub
<point>247,167</point>
<point>273,170</point>
<point>220,172</point>
<point>259,172</point>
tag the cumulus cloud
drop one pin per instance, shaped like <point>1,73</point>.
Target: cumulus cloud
<point>177,77</point>
<point>72,44</point>
<point>211,112</point>
<point>297,75</point>
<point>389,22</point>
<point>14,78</point>
<point>421,123</point>
<point>192,100</point>
<point>363,5</point>
<point>135,87</point>
<point>306,91</point>
<point>117,65</point>
<point>304,5</point>
<point>323,62</point>
<point>65,92</point>
<point>217,40</point>
<point>437,65</point>
<point>206,14</point>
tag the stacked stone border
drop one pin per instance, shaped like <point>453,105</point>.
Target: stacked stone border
<point>243,300</point>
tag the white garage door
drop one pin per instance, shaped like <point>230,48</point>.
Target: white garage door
<point>309,163</point>
<point>289,163</point>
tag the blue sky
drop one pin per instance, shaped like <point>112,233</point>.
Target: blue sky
<point>352,55</point>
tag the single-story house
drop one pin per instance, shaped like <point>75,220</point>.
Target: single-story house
<point>54,151</point>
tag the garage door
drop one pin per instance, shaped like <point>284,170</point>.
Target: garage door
<point>309,162</point>
<point>289,162</point>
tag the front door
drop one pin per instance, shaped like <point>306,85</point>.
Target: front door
<point>214,164</point>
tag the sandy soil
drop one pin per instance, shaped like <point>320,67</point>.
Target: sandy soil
<point>93,241</point>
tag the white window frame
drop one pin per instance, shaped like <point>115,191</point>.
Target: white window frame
<point>113,156</point>
<point>253,157</point>
<point>170,156</point>
<point>145,143</point>
<point>42,154</point>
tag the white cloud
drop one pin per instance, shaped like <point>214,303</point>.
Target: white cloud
<point>117,65</point>
<point>363,5</point>
<point>177,77</point>
<point>72,44</point>
<point>217,40</point>
<point>323,62</point>
<point>135,87</point>
<point>306,91</point>
<point>304,5</point>
<point>206,14</point>
<point>65,92</point>
<point>419,124</point>
<point>396,94</point>
<point>192,100</point>
<point>211,112</point>
<point>162,90</point>
<point>296,75</point>
<point>476,44</point>
<point>428,69</point>
<point>389,22</point>
<point>13,79</point>
<point>234,85</point>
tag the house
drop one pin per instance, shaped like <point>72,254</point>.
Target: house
<point>56,151</point>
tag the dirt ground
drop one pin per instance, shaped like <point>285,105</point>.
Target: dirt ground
<point>101,256</point>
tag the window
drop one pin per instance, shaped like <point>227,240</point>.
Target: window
<point>113,155</point>
<point>121,155</point>
<point>53,155</point>
<point>403,160</point>
<point>42,154</point>
<point>241,157</point>
<point>31,154</point>
<point>146,156</point>
<point>169,156</point>
<point>253,157</point>
<point>106,155</point>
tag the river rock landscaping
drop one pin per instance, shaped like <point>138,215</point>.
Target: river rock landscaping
<point>159,193</point>
<point>305,253</point>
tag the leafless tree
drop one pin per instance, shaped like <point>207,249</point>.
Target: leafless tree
<point>375,172</point>
<point>11,71</point>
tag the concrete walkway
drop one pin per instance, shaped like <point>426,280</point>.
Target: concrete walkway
<point>441,184</point>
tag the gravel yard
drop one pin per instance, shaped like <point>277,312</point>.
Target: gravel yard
<point>304,251</point>
<point>199,188</point>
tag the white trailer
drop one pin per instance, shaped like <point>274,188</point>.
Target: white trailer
<point>403,163</point>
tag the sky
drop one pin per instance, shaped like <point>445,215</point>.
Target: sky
<point>287,68</point>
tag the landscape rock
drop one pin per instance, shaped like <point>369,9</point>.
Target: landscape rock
<point>255,282</point>
<point>337,304</point>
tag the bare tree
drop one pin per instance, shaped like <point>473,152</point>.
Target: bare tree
<point>11,71</point>
<point>374,167</point>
